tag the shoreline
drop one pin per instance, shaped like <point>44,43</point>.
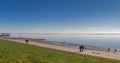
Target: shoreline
<point>110,55</point>
<point>67,44</point>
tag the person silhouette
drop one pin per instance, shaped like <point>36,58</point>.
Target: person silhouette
<point>81,47</point>
<point>26,41</point>
<point>115,50</point>
<point>108,49</point>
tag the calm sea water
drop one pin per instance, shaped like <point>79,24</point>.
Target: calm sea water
<point>97,40</point>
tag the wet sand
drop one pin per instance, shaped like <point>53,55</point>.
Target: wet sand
<point>110,55</point>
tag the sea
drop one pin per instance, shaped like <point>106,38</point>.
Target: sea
<point>112,41</point>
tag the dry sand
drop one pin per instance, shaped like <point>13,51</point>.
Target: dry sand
<point>103,54</point>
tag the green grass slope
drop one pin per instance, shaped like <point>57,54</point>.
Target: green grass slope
<point>12,52</point>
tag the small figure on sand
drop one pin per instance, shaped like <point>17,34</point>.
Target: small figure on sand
<point>115,50</point>
<point>81,47</point>
<point>26,41</point>
<point>108,49</point>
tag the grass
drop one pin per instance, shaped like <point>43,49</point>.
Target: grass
<point>12,52</point>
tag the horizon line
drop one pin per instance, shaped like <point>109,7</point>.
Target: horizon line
<point>100,33</point>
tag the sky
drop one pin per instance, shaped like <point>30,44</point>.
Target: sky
<point>60,16</point>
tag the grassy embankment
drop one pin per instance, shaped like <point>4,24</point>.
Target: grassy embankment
<point>12,52</point>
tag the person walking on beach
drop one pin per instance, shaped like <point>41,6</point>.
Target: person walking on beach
<point>81,47</point>
<point>115,50</point>
<point>26,41</point>
<point>108,49</point>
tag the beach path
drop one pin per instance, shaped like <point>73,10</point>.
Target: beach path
<point>110,55</point>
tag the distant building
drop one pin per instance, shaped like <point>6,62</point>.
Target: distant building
<point>4,35</point>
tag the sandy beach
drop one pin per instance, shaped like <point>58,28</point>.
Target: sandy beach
<point>110,55</point>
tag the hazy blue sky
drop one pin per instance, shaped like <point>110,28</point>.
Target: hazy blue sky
<point>62,16</point>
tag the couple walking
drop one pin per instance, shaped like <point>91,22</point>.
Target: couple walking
<point>81,47</point>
